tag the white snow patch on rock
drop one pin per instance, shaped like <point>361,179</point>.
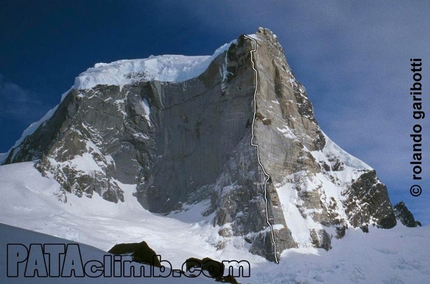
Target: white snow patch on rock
<point>166,68</point>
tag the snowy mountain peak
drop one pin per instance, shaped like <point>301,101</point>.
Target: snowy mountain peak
<point>231,137</point>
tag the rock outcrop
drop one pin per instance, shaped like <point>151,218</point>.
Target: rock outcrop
<point>139,252</point>
<point>405,216</point>
<point>189,139</point>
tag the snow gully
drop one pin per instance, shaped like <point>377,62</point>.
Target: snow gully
<point>418,114</point>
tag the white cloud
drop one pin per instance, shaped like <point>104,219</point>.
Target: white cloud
<point>19,104</point>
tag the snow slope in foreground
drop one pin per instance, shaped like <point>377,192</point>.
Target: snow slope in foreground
<point>399,255</point>
<point>16,236</point>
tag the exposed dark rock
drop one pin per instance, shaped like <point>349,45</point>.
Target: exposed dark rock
<point>213,267</point>
<point>374,200</point>
<point>192,262</point>
<point>341,231</point>
<point>405,216</point>
<point>321,239</point>
<point>140,252</point>
<point>365,228</point>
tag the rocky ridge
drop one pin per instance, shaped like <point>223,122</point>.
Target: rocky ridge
<point>405,216</point>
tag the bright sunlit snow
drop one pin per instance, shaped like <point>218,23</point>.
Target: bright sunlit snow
<point>30,201</point>
<point>167,68</point>
<point>399,255</point>
<point>14,236</point>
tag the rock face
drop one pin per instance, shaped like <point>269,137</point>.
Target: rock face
<point>185,139</point>
<point>405,216</point>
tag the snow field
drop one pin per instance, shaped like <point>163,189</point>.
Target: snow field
<point>399,255</point>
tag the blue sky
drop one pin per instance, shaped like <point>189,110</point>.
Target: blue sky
<point>352,57</point>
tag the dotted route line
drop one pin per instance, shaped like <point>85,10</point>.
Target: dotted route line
<point>258,149</point>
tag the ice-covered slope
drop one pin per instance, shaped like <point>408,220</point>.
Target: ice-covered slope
<point>165,68</point>
<point>399,255</point>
